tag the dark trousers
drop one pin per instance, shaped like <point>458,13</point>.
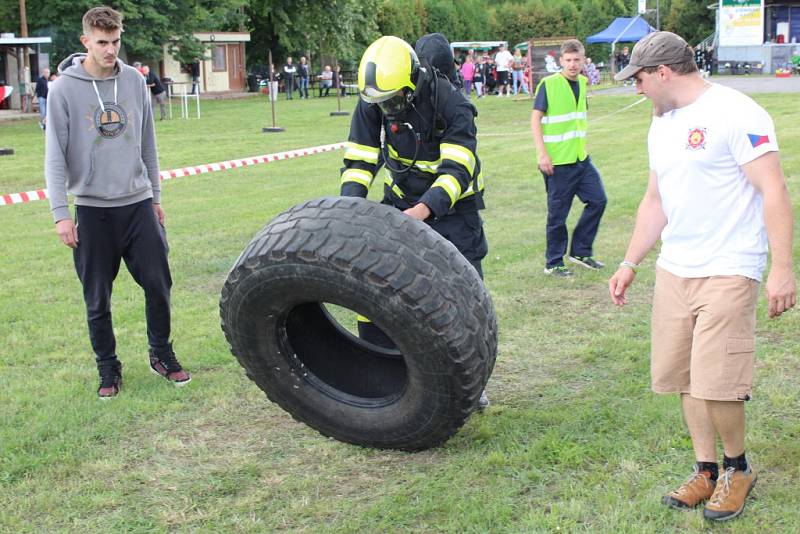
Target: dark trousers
<point>462,229</point>
<point>133,234</point>
<point>567,181</point>
<point>289,86</point>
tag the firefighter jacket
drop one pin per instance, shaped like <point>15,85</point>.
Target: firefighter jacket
<point>447,172</point>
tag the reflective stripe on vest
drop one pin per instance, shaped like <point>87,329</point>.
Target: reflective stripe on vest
<point>563,118</point>
<point>564,137</point>
<point>564,124</point>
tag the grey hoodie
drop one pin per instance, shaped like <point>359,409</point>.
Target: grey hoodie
<point>105,155</point>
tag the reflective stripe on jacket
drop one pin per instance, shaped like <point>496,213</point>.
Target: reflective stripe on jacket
<point>446,171</point>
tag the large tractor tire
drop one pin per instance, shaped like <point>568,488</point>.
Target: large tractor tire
<point>380,263</point>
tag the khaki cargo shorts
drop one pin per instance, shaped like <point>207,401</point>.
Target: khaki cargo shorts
<point>703,336</point>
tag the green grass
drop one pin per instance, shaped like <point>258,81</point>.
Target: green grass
<point>574,439</point>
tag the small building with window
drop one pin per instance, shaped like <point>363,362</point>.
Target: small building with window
<point>222,70</point>
<point>13,72</point>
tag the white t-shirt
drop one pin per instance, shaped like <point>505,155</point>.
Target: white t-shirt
<point>502,59</point>
<point>715,217</point>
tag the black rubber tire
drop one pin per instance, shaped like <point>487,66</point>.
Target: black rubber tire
<point>378,262</point>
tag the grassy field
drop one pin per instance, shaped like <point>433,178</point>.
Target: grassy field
<point>574,440</point>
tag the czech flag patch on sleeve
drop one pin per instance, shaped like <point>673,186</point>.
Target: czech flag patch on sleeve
<point>757,140</point>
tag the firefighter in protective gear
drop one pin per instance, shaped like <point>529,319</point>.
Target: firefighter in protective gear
<point>411,120</point>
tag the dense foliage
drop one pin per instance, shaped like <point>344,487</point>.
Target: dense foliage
<point>344,27</point>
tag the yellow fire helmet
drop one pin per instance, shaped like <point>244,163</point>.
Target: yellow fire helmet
<point>387,74</point>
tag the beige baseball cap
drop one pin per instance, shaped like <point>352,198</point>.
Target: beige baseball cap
<point>657,48</point>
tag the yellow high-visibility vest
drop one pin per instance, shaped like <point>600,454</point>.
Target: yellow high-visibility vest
<point>564,124</point>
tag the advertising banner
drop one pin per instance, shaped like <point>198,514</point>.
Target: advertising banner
<point>741,22</point>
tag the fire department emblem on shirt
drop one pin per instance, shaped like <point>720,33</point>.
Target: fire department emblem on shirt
<point>111,121</point>
<point>696,139</point>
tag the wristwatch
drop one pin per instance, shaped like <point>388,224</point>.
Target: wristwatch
<point>630,265</point>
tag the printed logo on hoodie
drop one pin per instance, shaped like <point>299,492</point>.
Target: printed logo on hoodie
<point>112,121</point>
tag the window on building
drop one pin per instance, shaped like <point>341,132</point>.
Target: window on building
<point>218,54</point>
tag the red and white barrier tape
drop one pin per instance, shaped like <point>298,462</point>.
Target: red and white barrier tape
<point>41,194</point>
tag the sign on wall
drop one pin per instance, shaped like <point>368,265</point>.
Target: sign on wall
<point>741,22</point>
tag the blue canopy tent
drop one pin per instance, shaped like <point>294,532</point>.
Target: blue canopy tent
<point>627,30</point>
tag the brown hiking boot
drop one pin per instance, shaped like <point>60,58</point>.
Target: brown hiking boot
<point>732,490</point>
<point>695,490</point>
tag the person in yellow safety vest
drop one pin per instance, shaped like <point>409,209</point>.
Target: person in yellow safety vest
<point>411,119</point>
<point>558,122</point>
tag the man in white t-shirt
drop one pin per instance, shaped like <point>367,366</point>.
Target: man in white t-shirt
<point>504,62</point>
<point>716,193</point>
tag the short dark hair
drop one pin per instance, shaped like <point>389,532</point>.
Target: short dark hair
<point>682,68</point>
<point>103,18</point>
<point>572,46</point>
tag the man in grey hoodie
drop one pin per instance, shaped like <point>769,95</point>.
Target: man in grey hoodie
<point>101,148</point>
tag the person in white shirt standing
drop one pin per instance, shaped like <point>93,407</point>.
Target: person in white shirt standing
<point>716,197</point>
<point>504,62</point>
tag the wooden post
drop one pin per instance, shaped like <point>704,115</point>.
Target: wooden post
<point>272,99</point>
<point>23,83</point>
<point>339,87</point>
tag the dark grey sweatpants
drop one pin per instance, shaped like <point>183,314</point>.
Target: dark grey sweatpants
<point>106,236</point>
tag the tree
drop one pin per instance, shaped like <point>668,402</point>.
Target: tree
<point>691,20</point>
<point>535,18</point>
<point>148,24</point>
<point>335,27</point>
<point>406,19</point>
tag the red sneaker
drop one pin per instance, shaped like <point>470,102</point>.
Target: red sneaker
<point>110,381</point>
<point>165,364</point>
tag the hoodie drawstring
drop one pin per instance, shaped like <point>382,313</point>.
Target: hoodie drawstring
<point>100,99</point>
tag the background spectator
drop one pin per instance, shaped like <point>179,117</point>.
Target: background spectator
<point>591,73</point>
<point>325,81</point>
<point>479,77</point>
<point>194,71</point>
<point>622,58</point>
<point>157,88</point>
<point>489,78</point>
<point>468,74</point>
<point>273,83</point>
<point>41,95</point>
<point>289,72</point>
<point>302,77</point>
<point>504,62</point>
<point>518,73</point>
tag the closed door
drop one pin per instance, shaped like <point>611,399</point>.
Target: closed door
<point>235,67</point>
